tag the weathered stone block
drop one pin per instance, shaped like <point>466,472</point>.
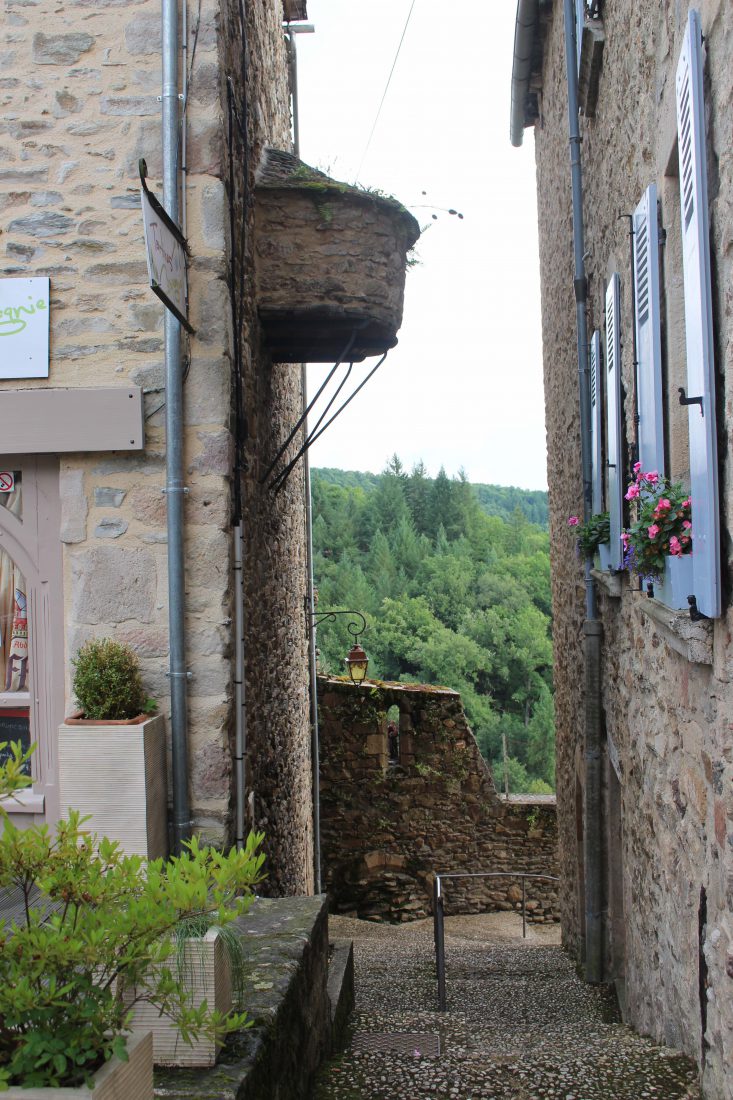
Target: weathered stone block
<point>74,506</point>
<point>111,584</point>
<point>60,49</point>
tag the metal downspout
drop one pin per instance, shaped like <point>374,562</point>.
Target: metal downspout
<point>175,488</point>
<point>592,627</point>
<point>239,685</point>
<point>310,586</point>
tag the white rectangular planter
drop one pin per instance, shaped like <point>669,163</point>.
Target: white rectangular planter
<point>117,774</point>
<point>116,1080</point>
<point>205,973</point>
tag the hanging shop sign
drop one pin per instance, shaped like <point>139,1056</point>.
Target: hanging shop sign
<point>24,328</point>
<point>166,251</point>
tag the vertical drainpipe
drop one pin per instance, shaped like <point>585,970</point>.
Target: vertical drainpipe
<point>592,627</point>
<point>240,718</point>
<point>310,587</point>
<point>175,488</point>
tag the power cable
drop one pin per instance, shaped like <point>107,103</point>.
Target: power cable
<point>384,93</point>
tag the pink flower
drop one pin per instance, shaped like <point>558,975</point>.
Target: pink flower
<point>663,505</point>
<point>636,467</point>
<point>573,521</point>
<point>652,531</point>
<point>632,492</point>
<point>625,536</point>
<point>652,477</point>
<point>675,547</point>
<point>686,524</point>
<point>687,503</point>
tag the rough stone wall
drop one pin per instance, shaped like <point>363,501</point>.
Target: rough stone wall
<point>387,829</point>
<point>667,700</point>
<point>278,759</point>
<point>79,92</point>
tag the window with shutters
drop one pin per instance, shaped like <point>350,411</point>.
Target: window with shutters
<point>674,331</point>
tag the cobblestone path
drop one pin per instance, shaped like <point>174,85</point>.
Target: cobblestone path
<point>520,1024</point>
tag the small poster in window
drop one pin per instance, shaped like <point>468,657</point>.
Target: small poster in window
<point>7,481</point>
<point>24,313</point>
<point>15,726</point>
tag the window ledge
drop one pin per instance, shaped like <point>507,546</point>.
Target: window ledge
<point>609,582</point>
<point>693,640</point>
<point>24,802</point>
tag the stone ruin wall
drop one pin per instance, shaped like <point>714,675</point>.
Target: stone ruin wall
<point>79,88</point>
<point>667,697</point>
<point>385,830</point>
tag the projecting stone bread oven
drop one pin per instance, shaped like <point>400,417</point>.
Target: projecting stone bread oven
<point>330,263</point>
<point>405,793</point>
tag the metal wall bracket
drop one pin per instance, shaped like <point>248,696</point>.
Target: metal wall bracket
<point>684,400</point>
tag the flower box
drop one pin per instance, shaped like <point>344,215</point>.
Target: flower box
<point>676,584</point>
<point>204,970</point>
<point>604,556</point>
<point>330,262</point>
<point>116,772</point>
<point>116,1080</point>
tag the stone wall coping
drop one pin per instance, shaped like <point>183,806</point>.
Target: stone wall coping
<point>693,640</point>
<point>387,685</point>
<point>529,799</point>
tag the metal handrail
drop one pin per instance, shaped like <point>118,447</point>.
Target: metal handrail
<point>439,915</point>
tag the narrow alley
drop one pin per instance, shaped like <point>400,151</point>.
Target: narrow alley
<point>520,1024</point>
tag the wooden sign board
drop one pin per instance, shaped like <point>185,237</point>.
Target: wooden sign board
<point>24,313</point>
<point>166,251</point>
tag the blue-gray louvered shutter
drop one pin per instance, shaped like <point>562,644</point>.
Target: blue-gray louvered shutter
<point>595,422</point>
<point>648,333</point>
<point>698,321</point>
<point>613,419</point>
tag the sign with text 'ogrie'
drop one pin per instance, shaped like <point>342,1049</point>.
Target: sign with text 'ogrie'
<point>24,316</point>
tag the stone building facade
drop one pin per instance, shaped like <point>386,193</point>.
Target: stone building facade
<point>80,87</point>
<point>666,808</point>
<point>394,816</point>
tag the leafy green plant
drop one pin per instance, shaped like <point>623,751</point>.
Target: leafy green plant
<point>107,681</point>
<point>591,534</point>
<point>98,926</point>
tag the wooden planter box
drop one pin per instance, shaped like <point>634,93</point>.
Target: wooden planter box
<point>330,262</point>
<point>206,975</point>
<point>116,772</point>
<point>131,1080</point>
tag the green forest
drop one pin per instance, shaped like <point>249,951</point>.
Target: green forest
<point>454,582</point>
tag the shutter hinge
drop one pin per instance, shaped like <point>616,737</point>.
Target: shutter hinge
<point>684,400</point>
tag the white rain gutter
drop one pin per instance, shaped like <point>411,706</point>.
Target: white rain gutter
<point>524,34</point>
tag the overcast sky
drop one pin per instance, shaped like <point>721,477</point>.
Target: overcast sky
<point>463,388</point>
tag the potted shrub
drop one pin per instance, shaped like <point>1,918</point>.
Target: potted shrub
<point>95,933</point>
<point>112,761</point>
<point>658,544</point>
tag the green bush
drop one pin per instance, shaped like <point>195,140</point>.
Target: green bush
<point>107,681</point>
<point>98,925</point>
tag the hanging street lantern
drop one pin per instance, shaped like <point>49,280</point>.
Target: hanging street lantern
<point>357,663</point>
